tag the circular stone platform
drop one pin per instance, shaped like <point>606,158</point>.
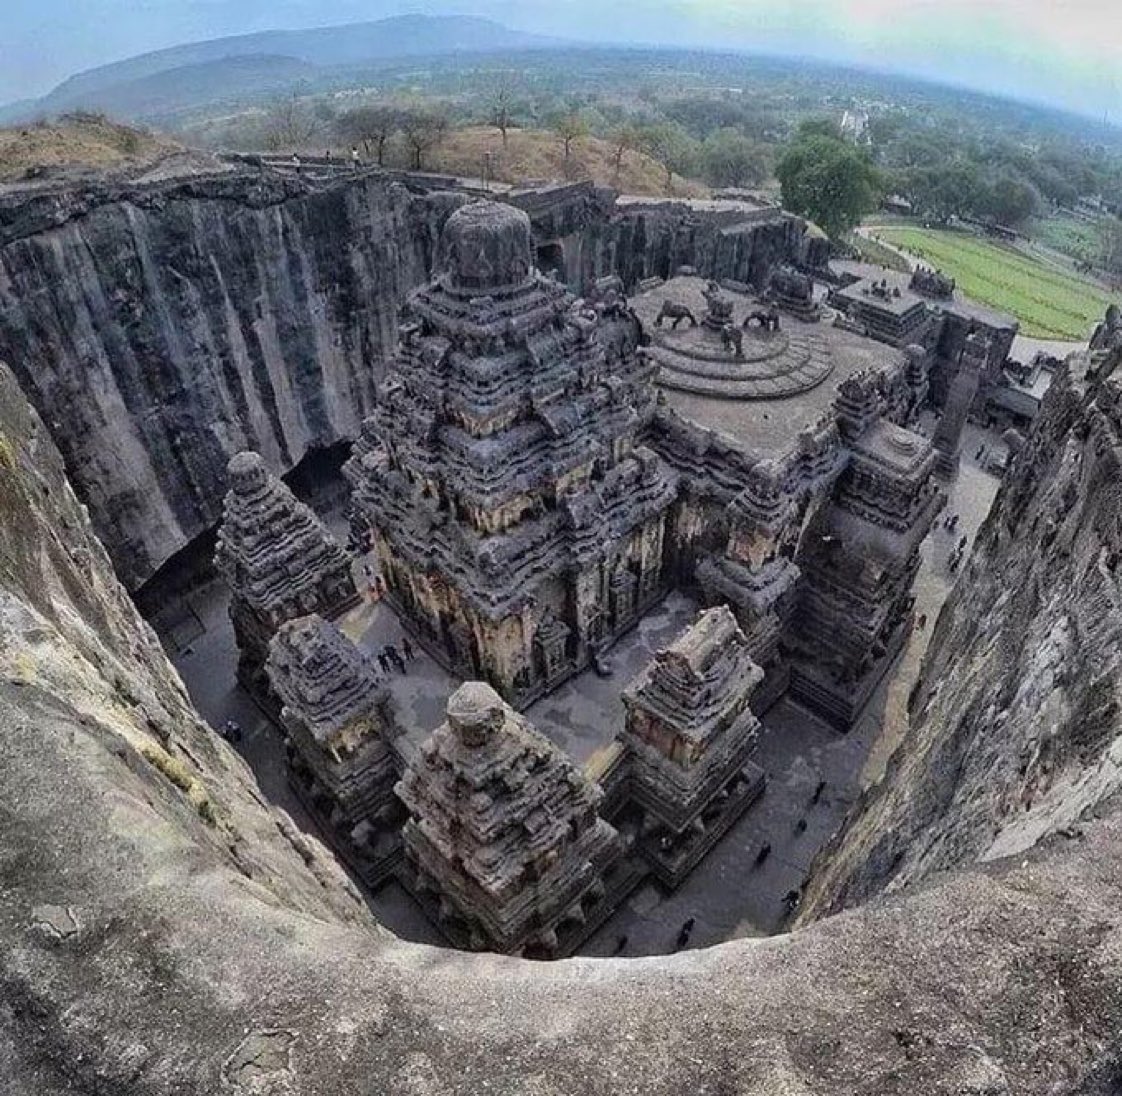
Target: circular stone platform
<point>774,365</point>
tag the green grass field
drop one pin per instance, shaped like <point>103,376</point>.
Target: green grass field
<point>1068,235</point>
<point>1050,303</point>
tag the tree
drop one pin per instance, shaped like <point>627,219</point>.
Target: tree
<point>829,181</point>
<point>373,125</point>
<point>502,107</point>
<point>940,193</point>
<point>672,146</point>
<point>729,158</point>
<point>570,126</point>
<point>1012,201</point>
<point>290,124</point>
<point>625,138</point>
<point>425,128</point>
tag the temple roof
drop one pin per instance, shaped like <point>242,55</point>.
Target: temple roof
<point>272,549</point>
<point>492,794</point>
<point>701,677</point>
<point>324,679</point>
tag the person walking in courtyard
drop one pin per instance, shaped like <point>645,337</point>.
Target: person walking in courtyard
<point>407,649</point>
<point>684,933</point>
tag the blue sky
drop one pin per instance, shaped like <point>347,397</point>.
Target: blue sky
<point>1067,52</point>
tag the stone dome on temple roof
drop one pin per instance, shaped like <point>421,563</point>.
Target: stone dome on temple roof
<point>246,470</point>
<point>486,246</point>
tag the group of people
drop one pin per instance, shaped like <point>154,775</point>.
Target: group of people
<point>389,656</point>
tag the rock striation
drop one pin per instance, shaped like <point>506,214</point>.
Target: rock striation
<point>145,949</point>
<point>1015,720</point>
<point>162,327</point>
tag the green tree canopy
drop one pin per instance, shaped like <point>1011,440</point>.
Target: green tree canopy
<point>828,181</point>
<point>728,158</point>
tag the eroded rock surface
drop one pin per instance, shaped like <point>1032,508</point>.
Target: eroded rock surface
<point>162,327</point>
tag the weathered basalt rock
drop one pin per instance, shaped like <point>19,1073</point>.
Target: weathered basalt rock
<point>504,830</point>
<point>161,328</point>
<point>279,561</point>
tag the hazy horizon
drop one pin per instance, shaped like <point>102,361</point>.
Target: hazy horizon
<point>1020,48</point>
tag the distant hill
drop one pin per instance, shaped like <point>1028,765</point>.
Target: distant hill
<point>215,69</point>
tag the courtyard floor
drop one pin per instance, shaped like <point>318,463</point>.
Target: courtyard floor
<point>726,895</point>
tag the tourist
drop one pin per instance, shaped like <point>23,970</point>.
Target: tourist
<point>764,853</point>
<point>684,933</point>
<point>921,622</point>
<point>800,826</point>
<point>407,648</point>
<point>818,791</point>
<point>296,161</point>
<point>232,731</point>
<point>621,944</point>
<point>383,662</point>
<point>354,157</point>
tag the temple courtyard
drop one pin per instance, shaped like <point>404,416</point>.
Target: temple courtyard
<point>727,894</point>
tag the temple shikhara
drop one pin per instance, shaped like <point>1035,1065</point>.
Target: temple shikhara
<point>503,830</point>
<point>279,561</point>
<point>540,471</point>
<point>519,522</point>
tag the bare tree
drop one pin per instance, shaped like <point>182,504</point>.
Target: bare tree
<point>425,128</point>
<point>373,125</point>
<point>570,126</point>
<point>502,107</point>
<point>290,124</point>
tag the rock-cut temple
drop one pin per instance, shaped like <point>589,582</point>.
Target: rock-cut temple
<point>538,471</point>
<point>520,523</point>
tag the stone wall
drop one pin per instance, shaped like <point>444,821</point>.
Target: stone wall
<point>1016,729</point>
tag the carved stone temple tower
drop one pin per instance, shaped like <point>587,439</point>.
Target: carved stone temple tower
<point>338,741</point>
<point>688,738</point>
<point>519,527</point>
<point>279,562</point>
<point>859,557</point>
<point>504,834</point>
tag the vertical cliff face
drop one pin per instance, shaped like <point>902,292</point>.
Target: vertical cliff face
<point>164,329</point>
<point>1016,728</point>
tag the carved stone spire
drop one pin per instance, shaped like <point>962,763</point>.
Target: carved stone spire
<point>279,561</point>
<point>339,754</point>
<point>504,829</point>
<point>689,736</point>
